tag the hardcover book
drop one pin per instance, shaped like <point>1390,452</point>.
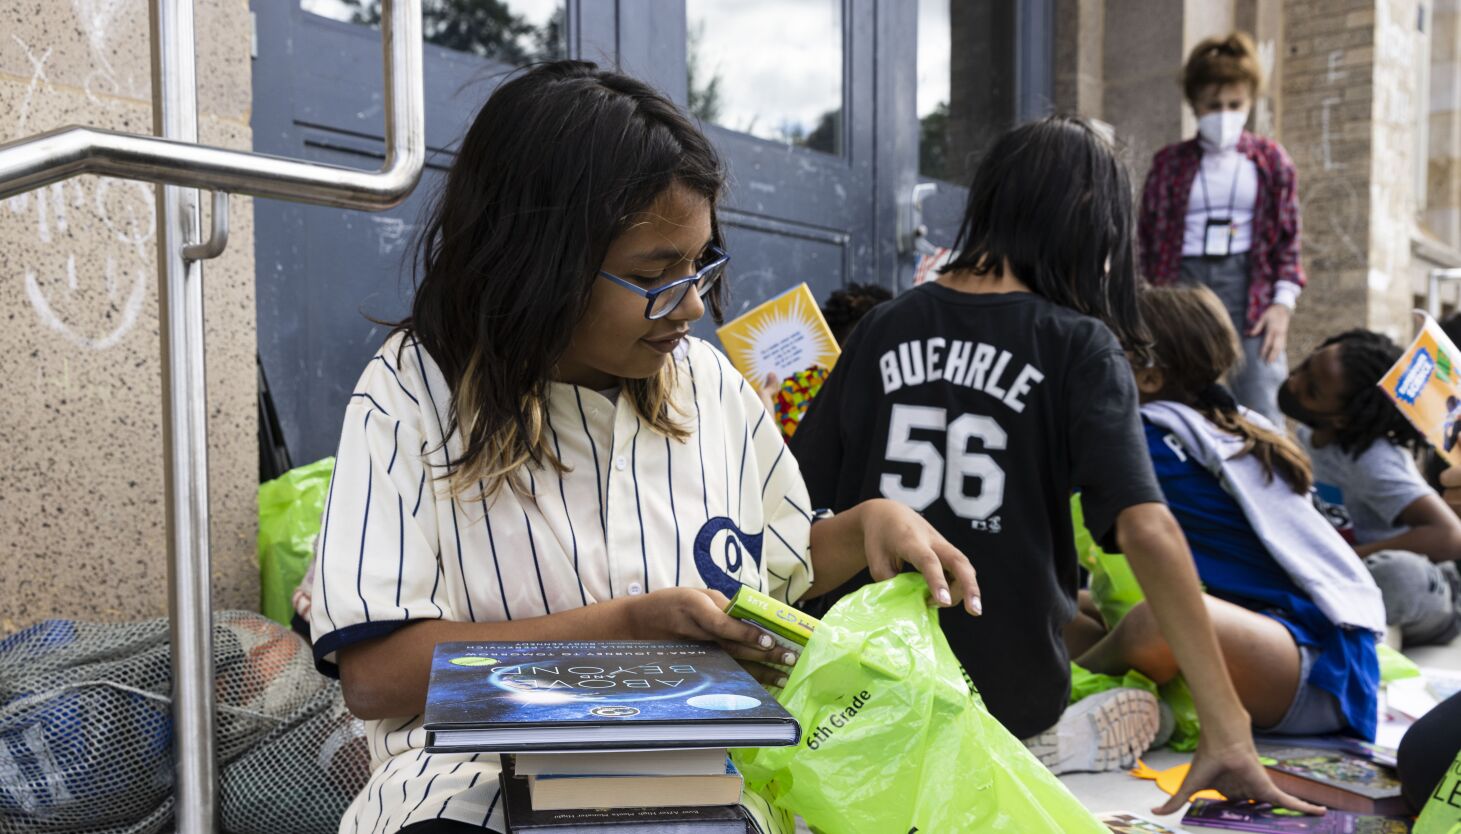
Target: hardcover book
<point>1335,779</point>
<point>590,695</point>
<point>522,817</point>
<point>696,762</point>
<point>568,791</point>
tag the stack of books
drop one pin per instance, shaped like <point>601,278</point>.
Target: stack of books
<point>606,737</point>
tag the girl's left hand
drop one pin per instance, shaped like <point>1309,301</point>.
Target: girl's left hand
<point>767,392</point>
<point>1273,326</point>
<point>894,535</point>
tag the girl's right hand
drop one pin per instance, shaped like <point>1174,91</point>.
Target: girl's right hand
<point>699,614</point>
<point>1234,771</point>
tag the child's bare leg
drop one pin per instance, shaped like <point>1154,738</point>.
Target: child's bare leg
<point>1082,633</point>
<point>1261,656</point>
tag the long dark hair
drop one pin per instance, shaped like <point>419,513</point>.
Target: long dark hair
<point>550,172</point>
<point>1365,356</point>
<point>1194,345</point>
<point>1052,198</point>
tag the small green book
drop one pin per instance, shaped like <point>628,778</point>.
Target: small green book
<point>790,627</point>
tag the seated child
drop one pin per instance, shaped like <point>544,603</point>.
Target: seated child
<point>1297,616</point>
<point>983,398</point>
<point>844,308</point>
<point>1362,449</point>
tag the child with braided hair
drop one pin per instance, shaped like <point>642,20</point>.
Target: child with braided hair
<point>1363,452</point>
<point>844,308</point>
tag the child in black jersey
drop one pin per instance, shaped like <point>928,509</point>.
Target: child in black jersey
<point>983,399</point>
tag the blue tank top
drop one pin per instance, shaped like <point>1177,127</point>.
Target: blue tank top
<point>1235,566</point>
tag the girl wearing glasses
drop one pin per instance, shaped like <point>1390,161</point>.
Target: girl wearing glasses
<point>541,451</point>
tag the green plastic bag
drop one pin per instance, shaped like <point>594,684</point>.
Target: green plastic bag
<point>290,510</point>
<point>1442,812</point>
<point>1114,588</point>
<point>894,740</point>
<point>1395,666</point>
<point>1084,683</point>
<point>1115,592</point>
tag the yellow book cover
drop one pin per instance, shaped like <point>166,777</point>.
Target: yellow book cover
<point>782,336</point>
<point>1426,386</point>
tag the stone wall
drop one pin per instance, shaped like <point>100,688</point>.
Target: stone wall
<point>1328,100</point>
<point>81,494</point>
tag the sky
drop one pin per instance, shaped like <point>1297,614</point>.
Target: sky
<point>779,61</point>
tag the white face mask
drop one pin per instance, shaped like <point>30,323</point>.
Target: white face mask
<point>1220,130</point>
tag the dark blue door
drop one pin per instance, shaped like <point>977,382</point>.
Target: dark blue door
<point>817,105</point>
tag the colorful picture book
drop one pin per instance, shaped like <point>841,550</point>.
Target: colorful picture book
<point>1426,386</point>
<point>1335,779</point>
<point>596,695</point>
<point>781,336</point>
<point>1127,823</point>
<point>1208,815</point>
<point>1366,750</point>
<point>787,337</point>
<point>523,817</point>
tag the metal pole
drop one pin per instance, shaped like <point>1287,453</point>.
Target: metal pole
<point>184,429</point>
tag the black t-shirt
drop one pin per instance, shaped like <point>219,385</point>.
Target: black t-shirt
<point>984,413</point>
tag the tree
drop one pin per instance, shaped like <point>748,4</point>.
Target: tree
<point>827,135</point>
<point>933,144</point>
<point>487,28</point>
<point>704,100</point>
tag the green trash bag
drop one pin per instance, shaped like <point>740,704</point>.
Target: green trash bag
<point>1395,666</point>
<point>894,740</point>
<point>1115,592</point>
<point>1442,812</point>
<point>1114,588</point>
<point>290,510</point>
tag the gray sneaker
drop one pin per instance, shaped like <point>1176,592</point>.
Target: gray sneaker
<point>1106,731</point>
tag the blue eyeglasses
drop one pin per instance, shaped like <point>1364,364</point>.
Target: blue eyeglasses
<point>661,301</point>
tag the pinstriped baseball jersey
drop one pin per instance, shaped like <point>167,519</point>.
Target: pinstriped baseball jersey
<point>634,512</point>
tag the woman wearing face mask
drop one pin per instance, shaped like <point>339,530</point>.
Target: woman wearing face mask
<point>1222,210</point>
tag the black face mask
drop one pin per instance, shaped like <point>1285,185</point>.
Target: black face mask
<point>1293,409</point>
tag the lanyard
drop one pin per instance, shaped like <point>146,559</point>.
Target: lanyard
<point>1232,197</point>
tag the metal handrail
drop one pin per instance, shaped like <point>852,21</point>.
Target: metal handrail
<point>175,161</point>
<point>30,163</point>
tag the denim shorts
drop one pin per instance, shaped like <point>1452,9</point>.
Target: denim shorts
<point>1313,711</point>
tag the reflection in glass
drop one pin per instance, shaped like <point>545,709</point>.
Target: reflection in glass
<point>780,82</point>
<point>934,41</point>
<point>508,31</point>
<point>966,97</point>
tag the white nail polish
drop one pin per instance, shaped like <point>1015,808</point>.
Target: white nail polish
<point>976,604</point>
<point>781,681</point>
<point>943,596</point>
<point>789,659</point>
<point>765,641</point>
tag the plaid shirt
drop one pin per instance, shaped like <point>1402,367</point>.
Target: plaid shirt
<point>1275,253</point>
